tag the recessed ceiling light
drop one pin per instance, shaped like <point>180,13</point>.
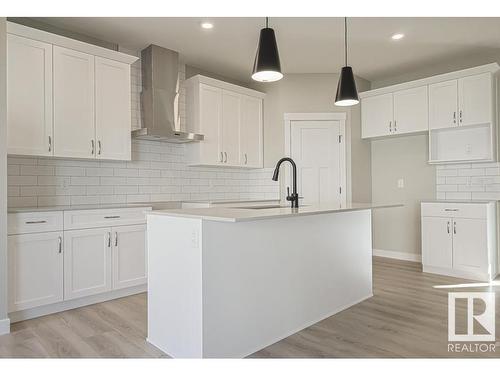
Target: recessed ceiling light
<point>207,25</point>
<point>398,36</point>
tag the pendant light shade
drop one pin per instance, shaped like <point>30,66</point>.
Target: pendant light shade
<point>347,94</point>
<point>267,67</point>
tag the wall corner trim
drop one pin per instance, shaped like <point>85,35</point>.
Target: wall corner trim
<point>411,257</point>
<point>4,326</point>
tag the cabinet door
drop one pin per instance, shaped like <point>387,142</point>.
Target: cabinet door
<point>211,124</point>
<point>35,272</point>
<point>129,256</point>
<point>411,110</point>
<point>112,109</point>
<point>74,130</point>
<point>29,96</point>
<point>475,99</point>
<point>231,127</point>
<point>377,116</point>
<point>251,132</point>
<point>87,262</point>
<point>470,245</point>
<point>437,242</point>
<point>443,97</point>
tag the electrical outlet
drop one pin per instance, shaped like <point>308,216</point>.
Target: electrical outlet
<point>468,148</point>
<point>401,183</point>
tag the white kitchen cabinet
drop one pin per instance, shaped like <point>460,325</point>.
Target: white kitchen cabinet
<point>29,105</point>
<point>112,109</point>
<point>377,115</point>
<point>475,99</point>
<point>459,239</point>
<point>230,118</point>
<point>230,143</point>
<point>251,138</point>
<point>35,271</point>
<point>437,243</point>
<point>74,89</point>
<point>411,110</point>
<point>443,112</point>
<point>87,262</point>
<point>129,256</point>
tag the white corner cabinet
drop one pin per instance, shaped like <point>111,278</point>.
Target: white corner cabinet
<point>231,119</point>
<point>64,259</point>
<point>457,110</point>
<point>66,98</point>
<point>459,239</point>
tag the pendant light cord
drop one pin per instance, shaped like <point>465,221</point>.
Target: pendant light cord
<point>345,39</point>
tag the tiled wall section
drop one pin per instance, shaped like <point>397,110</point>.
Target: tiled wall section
<point>157,172</point>
<point>468,181</point>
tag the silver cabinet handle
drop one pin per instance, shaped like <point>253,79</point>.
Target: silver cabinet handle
<point>390,126</point>
<point>454,227</point>
<point>246,158</point>
<point>93,146</point>
<point>454,117</point>
<point>448,227</point>
<point>99,145</point>
<point>460,114</point>
<point>60,245</point>
<point>50,143</point>
<point>36,222</point>
<point>112,217</point>
<point>109,239</point>
<point>451,209</point>
<point>116,239</point>
<point>225,157</point>
<point>395,129</point>
<point>221,157</point>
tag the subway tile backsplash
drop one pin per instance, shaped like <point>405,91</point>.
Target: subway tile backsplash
<point>473,181</point>
<point>157,172</point>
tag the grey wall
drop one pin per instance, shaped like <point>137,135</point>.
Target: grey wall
<point>398,229</point>
<point>3,172</point>
<point>316,93</point>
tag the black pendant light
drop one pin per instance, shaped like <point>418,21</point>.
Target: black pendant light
<point>266,67</point>
<point>347,94</point>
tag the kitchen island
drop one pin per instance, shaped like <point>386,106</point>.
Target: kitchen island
<point>227,282</point>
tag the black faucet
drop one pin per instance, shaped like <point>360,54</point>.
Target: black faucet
<point>294,197</point>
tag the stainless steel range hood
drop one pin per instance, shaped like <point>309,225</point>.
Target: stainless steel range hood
<point>160,98</point>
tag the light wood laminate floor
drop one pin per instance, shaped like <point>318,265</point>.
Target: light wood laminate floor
<point>406,317</point>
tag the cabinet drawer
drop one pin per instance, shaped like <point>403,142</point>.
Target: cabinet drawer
<point>459,210</point>
<point>82,219</point>
<point>34,222</point>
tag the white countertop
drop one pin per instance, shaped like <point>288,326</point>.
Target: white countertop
<point>235,214</point>
<point>458,201</point>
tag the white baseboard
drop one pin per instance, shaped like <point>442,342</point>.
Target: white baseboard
<point>397,255</point>
<point>4,326</point>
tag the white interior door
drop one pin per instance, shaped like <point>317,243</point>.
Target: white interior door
<point>74,126</point>
<point>315,148</point>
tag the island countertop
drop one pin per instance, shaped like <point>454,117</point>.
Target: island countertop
<point>238,214</point>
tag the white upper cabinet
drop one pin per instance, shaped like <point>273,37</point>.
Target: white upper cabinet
<point>112,109</point>
<point>74,129</point>
<point>251,132</point>
<point>443,98</point>
<point>410,110</point>
<point>66,98</point>
<point>231,109</point>
<point>376,115</point>
<point>29,105</point>
<point>475,100</point>
<point>230,118</point>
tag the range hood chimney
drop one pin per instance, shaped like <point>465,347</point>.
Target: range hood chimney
<point>160,97</point>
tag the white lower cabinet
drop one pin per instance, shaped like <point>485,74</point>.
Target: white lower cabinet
<point>459,239</point>
<point>35,272</point>
<point>87,262</point>
<point>129,256</point>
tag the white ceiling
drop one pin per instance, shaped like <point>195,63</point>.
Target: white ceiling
<point>306,45</point>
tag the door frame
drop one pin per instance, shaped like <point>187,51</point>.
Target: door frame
<point>338,116</point>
